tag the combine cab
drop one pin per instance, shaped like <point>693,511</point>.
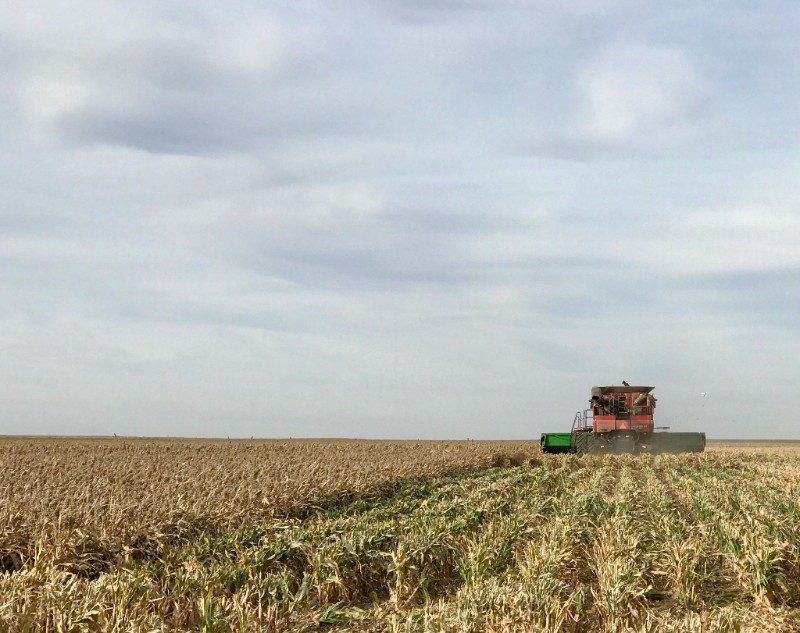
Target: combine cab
<point>620,420</point>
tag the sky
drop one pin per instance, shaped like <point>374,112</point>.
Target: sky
<point>395,218</point>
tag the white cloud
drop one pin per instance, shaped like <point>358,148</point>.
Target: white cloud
<point>749,239</point>
<point>638,89</point>
<point>765,219</point>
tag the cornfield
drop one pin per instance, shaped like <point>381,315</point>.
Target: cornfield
<point>187,535</point>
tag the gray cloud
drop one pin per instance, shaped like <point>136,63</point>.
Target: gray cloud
<point>768,297</point>
<point>395,219</point>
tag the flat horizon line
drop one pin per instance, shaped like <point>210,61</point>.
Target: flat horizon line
<point>325,439</point>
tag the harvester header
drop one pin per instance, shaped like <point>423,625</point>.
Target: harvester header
<point>620,420</point>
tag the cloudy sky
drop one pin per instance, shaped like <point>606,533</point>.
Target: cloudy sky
<point>397,218</point>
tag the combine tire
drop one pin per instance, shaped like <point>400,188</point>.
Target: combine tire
<point>581,442</point>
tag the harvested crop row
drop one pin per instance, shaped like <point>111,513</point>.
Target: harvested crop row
<point>286,573</point>
<point>103,496</point>
<point>622,552</point>
<point>558,543</point>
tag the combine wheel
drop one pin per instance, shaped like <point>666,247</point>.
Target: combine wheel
<point>581,442</point>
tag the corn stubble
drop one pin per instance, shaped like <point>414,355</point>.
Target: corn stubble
<point>144,535</point>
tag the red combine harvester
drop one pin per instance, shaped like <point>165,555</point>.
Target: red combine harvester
<point>620,420</point>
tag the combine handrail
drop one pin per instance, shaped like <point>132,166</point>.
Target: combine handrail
<point>581,417</point>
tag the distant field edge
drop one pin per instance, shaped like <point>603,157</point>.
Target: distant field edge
<point>10,436</point>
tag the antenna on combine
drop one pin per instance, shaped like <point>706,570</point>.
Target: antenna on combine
<point>700,411</point>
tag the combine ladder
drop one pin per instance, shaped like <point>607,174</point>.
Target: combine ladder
<point>581,432</point>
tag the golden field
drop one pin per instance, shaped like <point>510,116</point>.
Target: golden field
<point>144,535</point>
